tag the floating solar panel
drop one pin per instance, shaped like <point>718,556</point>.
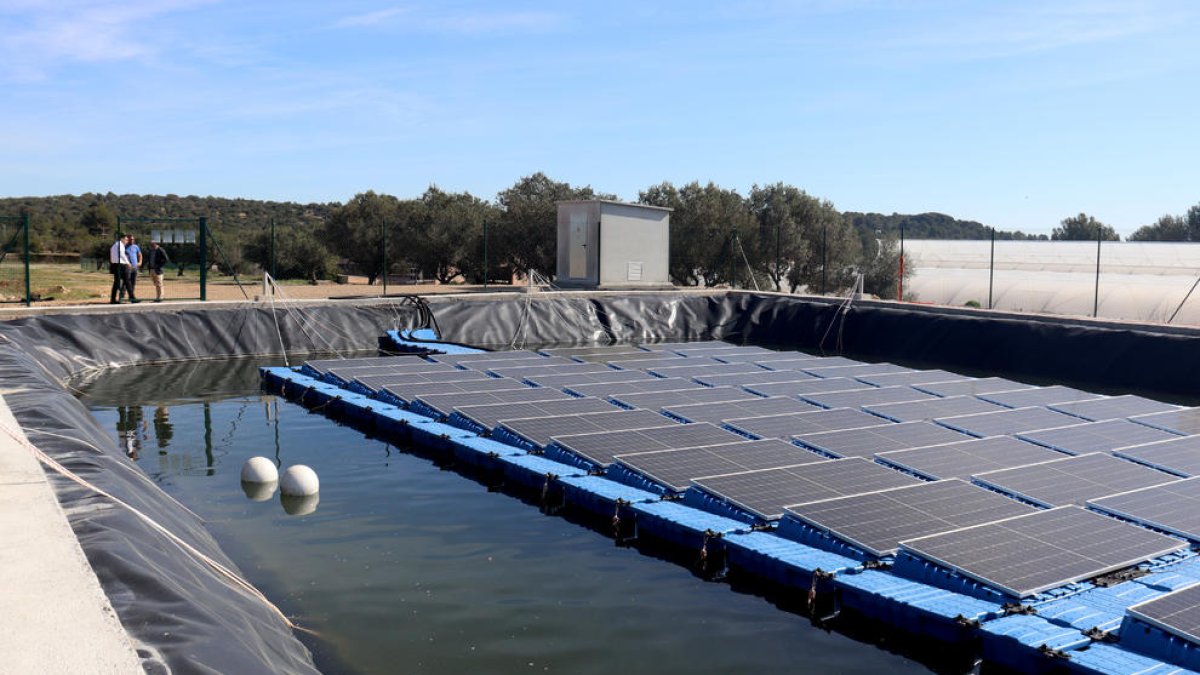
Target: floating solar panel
<point>608,375</point>
<point>377,382</point>
<point>1177,613</point>
<point>1172,507</point>
<point>539,430</point>
<point>487,416</point>
<point>802,362</point>
<point>856,370</point>
<point>857,398</point>
<point>408,392</point>
<point>322,365</point>
<point>1008,421</point>
<point>786,426</point>
<point>865,442</point>
<point>1182,421</point>
<point>1114,407</point>
<point>698,345</point>
<point>648,360</point>
<point>699,369</point>
<point>1022,398</point>
<point>811,385</point>
<point>523,371</point>
<point>530,360</point>
<point>723,353</point>
<point>975,387</point>
<point>753,378</point>
<point>601,448</point>
<point>444,404</point>
<point>932,408</point>
<point>348,373</point>
<point>656,400</point>
<point>1025,555</point>
<point>1073,480</point>
<point>1180,455</point>
<point>676,468</point>
<point>1096,436</point>
<point>575,352</point>
<point>967,458</point>
<point>910,378</point>
<point>601,389</point>
<point>766,492</point>
<point>723,410</point>
<point>877,522</point>
<point>464,359</point>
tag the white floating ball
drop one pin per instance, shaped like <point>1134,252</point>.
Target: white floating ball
<point>259,470</point>
<point>299,481</point>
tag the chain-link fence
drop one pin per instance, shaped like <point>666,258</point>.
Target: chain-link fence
<point>14,260</point>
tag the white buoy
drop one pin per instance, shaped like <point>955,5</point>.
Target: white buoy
<point>299,481</point>
<point>259,470</point>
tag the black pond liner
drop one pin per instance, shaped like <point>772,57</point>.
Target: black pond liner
<point>183,617</point>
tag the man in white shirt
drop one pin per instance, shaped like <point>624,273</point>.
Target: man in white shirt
<point>118,264</point>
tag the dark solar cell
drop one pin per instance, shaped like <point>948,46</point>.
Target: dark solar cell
<point>1114,407</point>
<point>601,448</point>
<point>1007,421</point>
<point>786,426</point>
<point>974,387</point>
<point>539,430</point>
<point>1022,398</point>
<point>1177,613</point>
<point>489,415</point>
<point>1183,421</point>
<point>1173,507</point>
<point>967,458</point>
<point>766,492</point>
<point>656,400</point>
<point>445,403</point>
<point>910,378</point>
<point>810,385</point>
<point>523,371</point>
<point>558,381</point>
<point>878,521</point>
<point>676,468</point>
<point>856,370</point>
<point>1073,480</point>
<point>601,389</point>
<point>932,408</point>
<point>1026,555</point>
<point>1097,436</point>
<point>862,397</point>
<point>867,441</point>
<point>753,378</point>
<point>723,410</point>
<point>1180,455</point>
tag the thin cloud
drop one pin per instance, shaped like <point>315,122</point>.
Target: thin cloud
<point>370,18</point>
<point>467,22</point>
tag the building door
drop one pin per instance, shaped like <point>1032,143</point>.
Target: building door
<point>578,262</point>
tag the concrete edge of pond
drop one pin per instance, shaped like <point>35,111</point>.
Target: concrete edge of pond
<point>57,619</point>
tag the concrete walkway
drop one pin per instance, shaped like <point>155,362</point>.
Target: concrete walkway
<point>55,617</point>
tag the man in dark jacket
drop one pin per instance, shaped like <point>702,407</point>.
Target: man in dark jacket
<point>156,260</point>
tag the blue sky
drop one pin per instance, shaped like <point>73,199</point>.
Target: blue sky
<point>1016,114</point>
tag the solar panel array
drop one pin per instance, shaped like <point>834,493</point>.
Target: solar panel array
<point>1008,421</point>
<point>1171,507</point>
<point>766,492</point>
<point>699,369</point>
<point>723,410</point>
<point>865,442</point>
<point>1074,480</point>
<point>323,365</point>
<point>1028,554</point>
<point>1113,407</point>
<point>606,376</point>
<point>807,386</point>
<point>487,416</point>
<point>1055,393</point>
<point>1180,455</point>
<point>863,397</point>
<point>1097,436</point>
<point>632,386</point>
<point>910,378</point>
<point>655,400</point>
<point>877,522</point>
<point>576,352</point>
<point>376,382</point>
<point>1183,421</point>
<point>531,370</point>
<point>1177,613</point>
<point>799,424</point>
<point>540,430</point>
<point>754,377</point>
<point>446,403</point>
<point>348,373</point>
<point>973,387</point>
<point>601,448</point>
<point>932,408</point>
<point>857,370</point>
<point>967,458</point>
<point>676,469</point>
<point>407,383</point>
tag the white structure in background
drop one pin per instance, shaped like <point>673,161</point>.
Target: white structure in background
<point>613,245</point>
<point>1139,281</point>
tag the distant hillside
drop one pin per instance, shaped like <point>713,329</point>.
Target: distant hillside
<point>928,226</point>
<point>56,221</point>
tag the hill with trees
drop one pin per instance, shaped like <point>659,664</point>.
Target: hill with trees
<point>929,226</point>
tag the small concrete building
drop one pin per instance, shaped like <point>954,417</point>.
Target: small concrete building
<point>613,245</point>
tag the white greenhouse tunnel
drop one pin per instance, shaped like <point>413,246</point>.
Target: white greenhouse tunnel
<point>1138,281</point>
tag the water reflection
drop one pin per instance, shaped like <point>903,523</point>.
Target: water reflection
<point>299,506</point>
<point>259,492</point>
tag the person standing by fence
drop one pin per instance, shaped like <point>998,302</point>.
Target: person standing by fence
<point>156,260</point>
<point>134,253</point>
<point>118,264</point>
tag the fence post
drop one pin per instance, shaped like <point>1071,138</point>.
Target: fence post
<point>992,268</point>
<point>383,231</point>
<point>485,255</point>
<point>274,272</point>
<point>28,289</point>
<point>1096,302</point>
<point>203,242</point>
